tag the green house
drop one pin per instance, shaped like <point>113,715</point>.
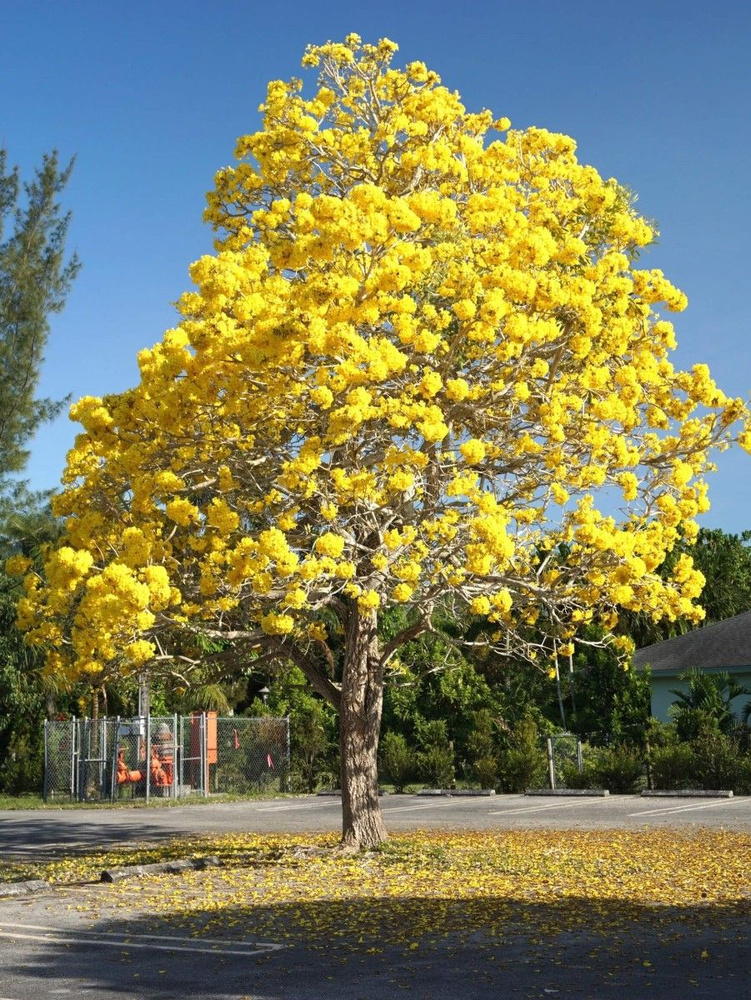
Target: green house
<point>725,646</point>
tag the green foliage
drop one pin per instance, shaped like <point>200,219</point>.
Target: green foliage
<point>725,561</point>
<point>311,746</point>
<point>483,758</point>
<point>481,741</point>
<point>22,703</point>
<point>22,767</point>
<point>673,767</point>
<point>435,757</point>
<point>710,760</point>
<point>604,700</point>
<point>717,760</point>
<point>523,763</point>
<point>671,762</point>
<point>743,784</point>
<point>243,758</point>
<point>485,771</point>
<point>398,760</point>
<point>707,704</point>
<point>313,730</point>
<point>34,281</point>
<point>619,768</point>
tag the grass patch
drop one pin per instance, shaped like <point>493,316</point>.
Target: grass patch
<point>30,801</point>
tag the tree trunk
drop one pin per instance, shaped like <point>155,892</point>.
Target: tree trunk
<point>359,730</point>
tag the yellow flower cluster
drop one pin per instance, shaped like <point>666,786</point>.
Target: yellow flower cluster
<point>422,345</point>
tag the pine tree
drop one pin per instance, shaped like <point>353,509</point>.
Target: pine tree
<point>34,281</point>
<point>35,278</point>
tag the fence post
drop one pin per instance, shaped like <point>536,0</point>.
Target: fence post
<point>288,772</point>
<point>175,768</point>
<point>147,757</point>
<point>73,764</point>
<point>83,731</point>
<point>113,768</point>
<point>205,777</point>
<point>46,759</point>
<point>551,763</point>
<point>103,756</point>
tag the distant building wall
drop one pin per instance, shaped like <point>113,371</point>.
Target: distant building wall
<point>662,685</point>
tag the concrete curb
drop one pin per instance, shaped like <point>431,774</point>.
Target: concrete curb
<point>23,888</point>
<point>338,792</point>
<point>572,792</point>
<point>160,868</point>
<point>688,793</point>
<point>456,792</point>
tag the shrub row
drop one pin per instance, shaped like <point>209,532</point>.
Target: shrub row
<point>711,761</point>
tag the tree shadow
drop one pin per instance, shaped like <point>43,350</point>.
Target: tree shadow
<point>379,948</point>
<point>47,834</point>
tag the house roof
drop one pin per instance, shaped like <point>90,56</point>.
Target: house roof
<point>722,646</point>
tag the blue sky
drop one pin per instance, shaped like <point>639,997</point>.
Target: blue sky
<point>150,98</point>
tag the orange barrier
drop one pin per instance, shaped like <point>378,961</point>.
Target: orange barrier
<point>123,774</point>
<point>162,771</point>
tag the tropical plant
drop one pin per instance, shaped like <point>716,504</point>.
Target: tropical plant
<point>707,703</point>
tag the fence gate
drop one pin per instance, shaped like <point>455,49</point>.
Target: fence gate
<point>164,757</point>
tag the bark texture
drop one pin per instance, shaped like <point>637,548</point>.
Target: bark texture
<point>359,729</point>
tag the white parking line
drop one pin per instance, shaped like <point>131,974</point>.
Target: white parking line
<point>400,809</point>
<point>57,845</point>
<point>301,805</point>
<point>126,941</point>
<point>667,810</point>
<point>552,805</point>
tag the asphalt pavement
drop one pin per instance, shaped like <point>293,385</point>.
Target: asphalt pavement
<point>29,833</point>
<point>87,941</point>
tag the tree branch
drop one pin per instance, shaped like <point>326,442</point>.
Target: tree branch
<point>402,637</point>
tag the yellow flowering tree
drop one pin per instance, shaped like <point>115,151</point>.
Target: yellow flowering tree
<point>419,355</point>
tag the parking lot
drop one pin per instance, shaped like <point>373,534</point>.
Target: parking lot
<point>104,942</point>
<point>38,832</point>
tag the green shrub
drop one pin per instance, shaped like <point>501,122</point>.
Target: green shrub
<point>743,786</point>
<point>314,752</point>
<point>717,760</point>
<point>481,742</point>
<point>568,774</point>
<point>620,769</point>
<point>673,767</point>
<point>398,761</point>
<point>22,770</point>
<point>485,771</point>
<point>435,759</point>
<point>482,766</point>
<point>523,762</point>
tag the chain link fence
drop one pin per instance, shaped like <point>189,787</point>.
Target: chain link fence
<point>564,755</point>
<point>598,763</point>
<point>99,760</point>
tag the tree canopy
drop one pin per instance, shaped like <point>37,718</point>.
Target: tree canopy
<point>35,278</point>
<point>422,368</point>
